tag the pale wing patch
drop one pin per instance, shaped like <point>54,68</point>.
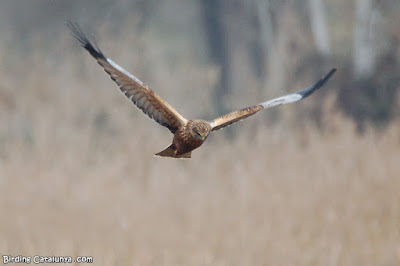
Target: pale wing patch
<point>282,100</point>
<point>119,68</point>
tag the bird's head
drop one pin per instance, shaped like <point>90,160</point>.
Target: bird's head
<point>200,130</point>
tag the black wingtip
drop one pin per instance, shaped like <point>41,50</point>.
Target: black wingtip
<point>83,40</point>
<point>329,75</point>
<point>307,92</point>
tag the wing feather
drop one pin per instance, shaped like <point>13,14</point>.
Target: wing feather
<point>235,116</point>
<point>134,89</point>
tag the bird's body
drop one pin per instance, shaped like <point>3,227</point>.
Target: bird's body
<point>187,138</point>
<point>188,134</point>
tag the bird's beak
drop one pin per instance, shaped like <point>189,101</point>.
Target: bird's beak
<point>202,139</point>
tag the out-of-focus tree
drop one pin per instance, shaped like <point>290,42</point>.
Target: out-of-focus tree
<point>230,35</point>
<point>369,92</point>
<point>318,26</point>
<point>269,56</point>
<point>215,33</point>
<point>364,51</point>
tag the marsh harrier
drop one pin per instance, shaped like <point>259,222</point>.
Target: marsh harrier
<point>188,134</point>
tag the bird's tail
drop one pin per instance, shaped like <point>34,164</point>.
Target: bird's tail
<point>171,152</point>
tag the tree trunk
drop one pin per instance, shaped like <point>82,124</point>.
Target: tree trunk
<point>364,52</point>
<point>229,29</point>
<point>217,43</point>
<point>318,26</point>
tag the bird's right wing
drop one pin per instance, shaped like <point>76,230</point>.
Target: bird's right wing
<point>235,116</point>
<point>135,90</point>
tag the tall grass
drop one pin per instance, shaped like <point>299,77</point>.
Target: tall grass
<point>78,175</point>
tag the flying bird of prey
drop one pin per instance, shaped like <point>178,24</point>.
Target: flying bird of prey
<point>188,134</point>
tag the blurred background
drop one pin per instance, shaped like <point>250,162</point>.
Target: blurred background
<point>312,183</point>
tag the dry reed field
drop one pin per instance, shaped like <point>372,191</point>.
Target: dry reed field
<point>78,176</point>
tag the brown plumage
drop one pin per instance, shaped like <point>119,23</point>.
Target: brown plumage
<point>188,134</point>
<point>187,138</point>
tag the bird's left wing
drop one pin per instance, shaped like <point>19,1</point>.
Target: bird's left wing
<point>135,90</point>
<point>235,116</point>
